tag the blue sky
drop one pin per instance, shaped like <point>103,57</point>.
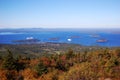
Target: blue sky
<point>59,13</point>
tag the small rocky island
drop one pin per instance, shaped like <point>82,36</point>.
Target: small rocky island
<point>102,40</point>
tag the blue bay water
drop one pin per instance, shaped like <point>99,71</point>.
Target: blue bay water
<point>75,37</point>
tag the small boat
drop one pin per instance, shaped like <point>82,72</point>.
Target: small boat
<point>29,38</point>
<point>69,40</point>
<point>102,40</point>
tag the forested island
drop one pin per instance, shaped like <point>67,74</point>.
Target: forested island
<point>59,61</point>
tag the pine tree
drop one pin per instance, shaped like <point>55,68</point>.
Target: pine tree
<point>9,62</point>
<point>41,68</point>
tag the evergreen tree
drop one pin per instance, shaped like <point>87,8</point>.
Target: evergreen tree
<point>9,62</point>
<point>41,68</point>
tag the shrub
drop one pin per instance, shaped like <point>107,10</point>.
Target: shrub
<point>70,54</point>
<point>61,66</point>
<point>117,52</point>
<point>81,71</point>
<point>29,74</point>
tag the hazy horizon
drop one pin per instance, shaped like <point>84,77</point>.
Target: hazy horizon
<point>60,27</point>
<point>59,14</point>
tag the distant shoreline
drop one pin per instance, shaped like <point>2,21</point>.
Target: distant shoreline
<point>55,43</point>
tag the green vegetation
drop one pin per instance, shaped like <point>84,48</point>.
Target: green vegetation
<point>9,62</point>
<point>71,63</point>
<point>41,68</point>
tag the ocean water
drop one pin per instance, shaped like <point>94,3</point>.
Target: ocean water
<point>75,37</point>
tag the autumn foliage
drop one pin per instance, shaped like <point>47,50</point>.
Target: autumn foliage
<point>101,64</point>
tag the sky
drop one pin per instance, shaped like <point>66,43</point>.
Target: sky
<point>59,13</point>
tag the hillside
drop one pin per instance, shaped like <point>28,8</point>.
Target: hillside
<point>59,61</point>
<point>35,50</point>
